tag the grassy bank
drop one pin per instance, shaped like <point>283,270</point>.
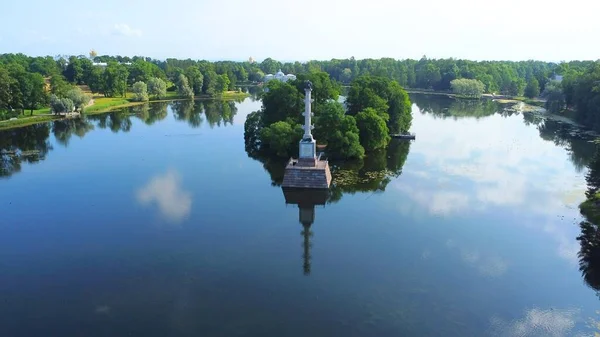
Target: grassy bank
<point>25,121</point>
<point>107,104</point>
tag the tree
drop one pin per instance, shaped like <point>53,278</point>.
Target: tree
<point>467,87</point>
<point>324,88</point>
<point>5,89</point>
<point>533,88</point>
<point>60,105</point>
<point>270,66</point>
<point>195,79</point>
<point>115,80</point>
<point>339,132</point>
<point>140,91</point>
<point>157,87</point>
<point>281,102</point>
<point>373,132</point>
<point>555,98</point>
<point>59,86</point>
<point>74,71</point>
<point>183,88</point>
<point>95,79</point>
<point>281,137</point>
<point>387,97</point>
<point>209,86</point>
<point>33,91</point>
<point>222,83</point>
<point>78,97</point>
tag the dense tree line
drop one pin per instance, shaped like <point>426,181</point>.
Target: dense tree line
<point>21,77</point>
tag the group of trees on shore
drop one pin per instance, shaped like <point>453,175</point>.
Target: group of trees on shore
<point>376,106</point>
<point>27,82</point>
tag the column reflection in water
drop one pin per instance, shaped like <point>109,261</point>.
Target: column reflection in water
<point>306,199</point>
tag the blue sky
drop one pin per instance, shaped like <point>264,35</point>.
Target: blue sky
<point>303,30</point>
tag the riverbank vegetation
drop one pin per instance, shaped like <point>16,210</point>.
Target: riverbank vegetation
<point>376,106</point>
<point>567,85</point>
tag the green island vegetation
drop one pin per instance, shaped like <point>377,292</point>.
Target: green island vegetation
<point>376,106</point>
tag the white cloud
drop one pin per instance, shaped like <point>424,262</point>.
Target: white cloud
<point>165,191</point>
<point>123,29</point>
<point>490,265</point>
<point>539,322</point>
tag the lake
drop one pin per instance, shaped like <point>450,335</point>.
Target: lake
<point>155,221</point>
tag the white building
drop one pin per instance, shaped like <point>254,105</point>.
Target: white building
<point>280,76</point>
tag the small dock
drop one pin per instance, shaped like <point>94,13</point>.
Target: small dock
<point>410,136</point>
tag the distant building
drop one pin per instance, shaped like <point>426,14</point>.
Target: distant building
<point>558,78</point>
<point>280,76</point>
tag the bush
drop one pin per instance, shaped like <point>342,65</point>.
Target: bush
<point>140,92</point>
<point>60,105</point>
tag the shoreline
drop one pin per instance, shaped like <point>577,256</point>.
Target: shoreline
<point>35,119</point>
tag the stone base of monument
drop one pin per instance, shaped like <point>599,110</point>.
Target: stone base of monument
<point>307,173</point>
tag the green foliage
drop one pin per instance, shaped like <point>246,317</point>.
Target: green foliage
<point>533,88</point>
<point>270,66</point>
<point>59,86</point>
<point>33,91</point>
<point>555,98</point>
<point>209,86</point>
<point>324,88</point>
<point>115,80</point>
<point>60,105</point>
<point>373,131</point>
<point>587,96</point>
<point>157,87</point>
<point>281,102</point>
<point>339,132</point>
<point>195,78</point>
<point>140,92</point>
<point>95,79</point>
<point>183,88</point>
<point>281,138</point>
<point>467,87</point>
<point>387,97</point>
<point>74,71</point>
<point>78,97</point>
<point>6,82</point>
<point>222,84</point>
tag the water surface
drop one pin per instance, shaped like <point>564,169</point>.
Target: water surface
<point>156,222</point>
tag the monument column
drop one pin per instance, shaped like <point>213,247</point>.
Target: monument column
<point>308,146</point>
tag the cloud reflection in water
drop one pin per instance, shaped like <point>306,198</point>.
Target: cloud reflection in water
<point>166,192</point>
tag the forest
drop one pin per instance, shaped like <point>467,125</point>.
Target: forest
<point>566,85</point>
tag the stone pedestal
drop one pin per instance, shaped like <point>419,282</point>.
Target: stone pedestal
<point>307,173</point>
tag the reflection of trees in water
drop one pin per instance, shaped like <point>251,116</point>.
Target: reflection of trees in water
<point>254,91</point>
<point>23,145</point>
<point>565,135</point>
<point>444,107</point>
<point>64,129</point>
<point>372,174</point>
<point>589,239</point>
<point>589,254</point>
<point>189,111</point>
<point>218,112</point>
<point>116,121</point>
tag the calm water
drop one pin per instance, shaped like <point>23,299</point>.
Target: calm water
<point>159,223</point>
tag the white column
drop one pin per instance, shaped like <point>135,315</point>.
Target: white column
<point>307,114</point>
